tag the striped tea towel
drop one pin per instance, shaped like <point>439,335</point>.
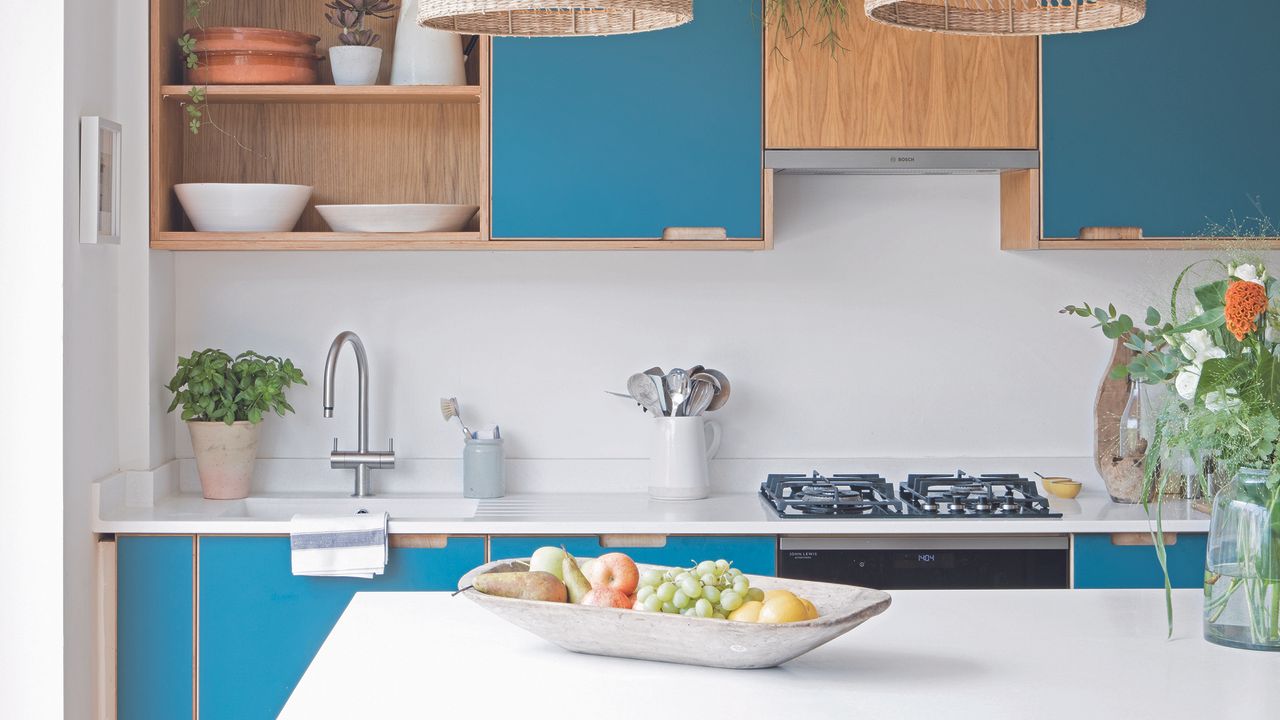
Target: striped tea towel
<point>345,546</point>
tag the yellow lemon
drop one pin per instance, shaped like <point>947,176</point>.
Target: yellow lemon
<point>748,612</point>
<point>783,609</point>
<point>771,594</point>
<point>813,611</point>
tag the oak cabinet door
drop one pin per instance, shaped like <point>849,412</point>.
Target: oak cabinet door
<point>902,89</point>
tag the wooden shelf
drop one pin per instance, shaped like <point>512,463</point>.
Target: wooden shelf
<point>330,94</point>
<point>322,241</point>
<point>1157,244</point>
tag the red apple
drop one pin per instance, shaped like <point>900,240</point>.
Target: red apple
<point>607,597</point>
<point>615,571</point>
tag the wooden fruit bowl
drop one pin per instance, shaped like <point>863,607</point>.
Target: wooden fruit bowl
<point>679,639</point>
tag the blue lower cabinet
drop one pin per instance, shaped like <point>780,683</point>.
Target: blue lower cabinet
<point>154,627</point>
<point>1100,564</point>
<point>756,555</point>
<point>260,626</point>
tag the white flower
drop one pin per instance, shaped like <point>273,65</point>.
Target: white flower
<point>1217,401</point>
<point>1187,381</point>
<point>1197,346</point>
<point>1250,273</point>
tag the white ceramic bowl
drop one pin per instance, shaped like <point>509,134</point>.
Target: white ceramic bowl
<point>688,640</point>
<point>420,217</point>
<point>243,207</point>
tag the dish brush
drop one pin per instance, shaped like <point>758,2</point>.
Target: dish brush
<point>449,409</point>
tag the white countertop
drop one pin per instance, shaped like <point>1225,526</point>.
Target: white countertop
<point>958,654</point>
<point>164,502</point>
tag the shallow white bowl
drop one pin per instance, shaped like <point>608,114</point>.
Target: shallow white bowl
<point>418,217</point>
<point>243,207</point>
<point>679,639</point>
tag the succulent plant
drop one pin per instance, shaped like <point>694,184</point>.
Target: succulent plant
<point>350,16</point>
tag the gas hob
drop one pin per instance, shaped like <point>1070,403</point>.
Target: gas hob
<point>957,496</point>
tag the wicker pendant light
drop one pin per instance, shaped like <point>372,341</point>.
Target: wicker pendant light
<point>1007,17</point>
<point>527,18</point>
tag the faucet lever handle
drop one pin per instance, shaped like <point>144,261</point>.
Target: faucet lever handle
<point>391,445</point>
<point>335,444</point>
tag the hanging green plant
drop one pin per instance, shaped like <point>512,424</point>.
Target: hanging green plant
<point>790,20</point>
<point>195,106</point>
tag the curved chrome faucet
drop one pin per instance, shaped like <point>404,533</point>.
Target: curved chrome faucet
<point>362,460</point>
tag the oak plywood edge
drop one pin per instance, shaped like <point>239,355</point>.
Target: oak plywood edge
<point>303,241</point>
<point>901,89</point>
<point>446,94</point>
<point>1156,243</point>
<point>1020,210</point>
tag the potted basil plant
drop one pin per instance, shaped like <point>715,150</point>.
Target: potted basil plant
<point>223,401</point>
<point>356,60</point>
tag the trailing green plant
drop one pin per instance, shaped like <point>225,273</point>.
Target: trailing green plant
<point>211,386</point>
<point>790,21</point>
<point>196,107</point>
<point>350,16</point>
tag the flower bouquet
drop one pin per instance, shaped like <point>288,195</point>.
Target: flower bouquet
<point>1222,364</point>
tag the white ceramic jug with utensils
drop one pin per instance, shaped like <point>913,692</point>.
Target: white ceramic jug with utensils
<point>678,460</point>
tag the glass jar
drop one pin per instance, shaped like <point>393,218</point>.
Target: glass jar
<point>483,469</point>
<point>1242,575</point>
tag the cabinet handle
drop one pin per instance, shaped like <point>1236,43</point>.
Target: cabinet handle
<point>434,542</point>
<point>1130,539</point>
<point>649,541</point>
<point>694,233</point>
<point>1123,232</point>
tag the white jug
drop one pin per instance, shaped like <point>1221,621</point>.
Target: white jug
<point>425,56</point>
<point>678,461</point>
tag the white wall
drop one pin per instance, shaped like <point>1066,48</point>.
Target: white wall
<point>31,249</point>
<point>886,323</point>
<point>91,315</point>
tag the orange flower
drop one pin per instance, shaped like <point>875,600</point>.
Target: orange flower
<point>1245,302</point>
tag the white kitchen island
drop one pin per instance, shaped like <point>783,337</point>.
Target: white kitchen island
<point>934,655</point>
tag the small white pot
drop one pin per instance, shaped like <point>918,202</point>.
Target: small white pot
<point>224,457</point>
<point>355,64</point>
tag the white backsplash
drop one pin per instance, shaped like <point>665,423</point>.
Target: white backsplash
<point>887,322</point>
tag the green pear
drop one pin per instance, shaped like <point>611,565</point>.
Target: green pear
<point>536,585</point>
<point>574,580</point>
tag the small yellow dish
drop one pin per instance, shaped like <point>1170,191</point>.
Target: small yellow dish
<point>1062,487</point>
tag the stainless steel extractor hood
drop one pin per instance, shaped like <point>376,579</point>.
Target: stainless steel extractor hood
<point>899,162</point>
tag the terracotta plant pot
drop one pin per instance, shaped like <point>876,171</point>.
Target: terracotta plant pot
<point>224,457</point>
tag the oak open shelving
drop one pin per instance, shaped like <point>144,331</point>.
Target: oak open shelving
<point>353,144</point>
<point>461,94</point>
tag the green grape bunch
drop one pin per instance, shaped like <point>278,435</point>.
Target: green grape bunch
<point>707,589</point>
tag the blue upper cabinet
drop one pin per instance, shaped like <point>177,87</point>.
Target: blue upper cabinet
<point>1167,125</point>
<point>260,626</point>
<point>621,136</point>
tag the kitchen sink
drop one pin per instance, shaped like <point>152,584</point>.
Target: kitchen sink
<point>400,508</point>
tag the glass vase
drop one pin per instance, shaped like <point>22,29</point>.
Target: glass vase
<point>1242,575</point>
